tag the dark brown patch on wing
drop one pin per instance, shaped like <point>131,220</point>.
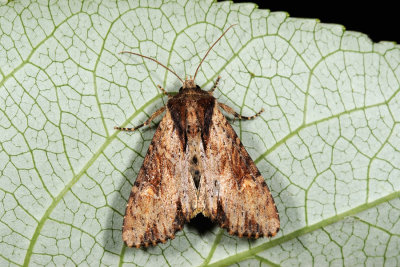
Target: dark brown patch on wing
<point>177,109</point>
<point>209,110</point>
<point>220,217</point>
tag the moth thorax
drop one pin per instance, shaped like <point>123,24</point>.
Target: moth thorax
<point>188,83</point>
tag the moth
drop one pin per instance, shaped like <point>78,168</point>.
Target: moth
<point>196,164</point>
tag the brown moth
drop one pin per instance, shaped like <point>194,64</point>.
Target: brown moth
<point>196,164</point>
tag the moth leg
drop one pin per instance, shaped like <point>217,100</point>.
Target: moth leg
<point>163,90</point>
<point>215,85</point>
<point>237,115</point>
<point>147,122</point>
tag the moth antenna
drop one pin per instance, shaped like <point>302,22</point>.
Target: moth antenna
<point>156,61</point>
<point>208,51</point>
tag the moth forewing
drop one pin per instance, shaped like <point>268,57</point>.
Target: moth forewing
<point>162,198</point>
<point>196,163</point>
<point>236,195</point>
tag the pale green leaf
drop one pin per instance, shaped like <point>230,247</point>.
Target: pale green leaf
<point>327,143</point>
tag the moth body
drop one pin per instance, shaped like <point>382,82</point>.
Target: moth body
<point>196,164</point>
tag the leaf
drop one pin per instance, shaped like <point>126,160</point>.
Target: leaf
<point>327,144</point>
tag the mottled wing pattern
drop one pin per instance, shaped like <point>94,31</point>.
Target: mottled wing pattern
<point>163,197</point>
<point>232,190</point>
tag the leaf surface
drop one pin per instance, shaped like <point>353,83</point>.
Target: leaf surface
<point>327,143</point>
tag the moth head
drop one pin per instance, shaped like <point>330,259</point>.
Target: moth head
<point>188,83</point>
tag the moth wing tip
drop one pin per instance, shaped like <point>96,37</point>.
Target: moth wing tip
<point>272,227</point>
<point>274,223</point>
<point>129,242</point>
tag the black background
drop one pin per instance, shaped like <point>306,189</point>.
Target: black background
<point>379,20</point>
